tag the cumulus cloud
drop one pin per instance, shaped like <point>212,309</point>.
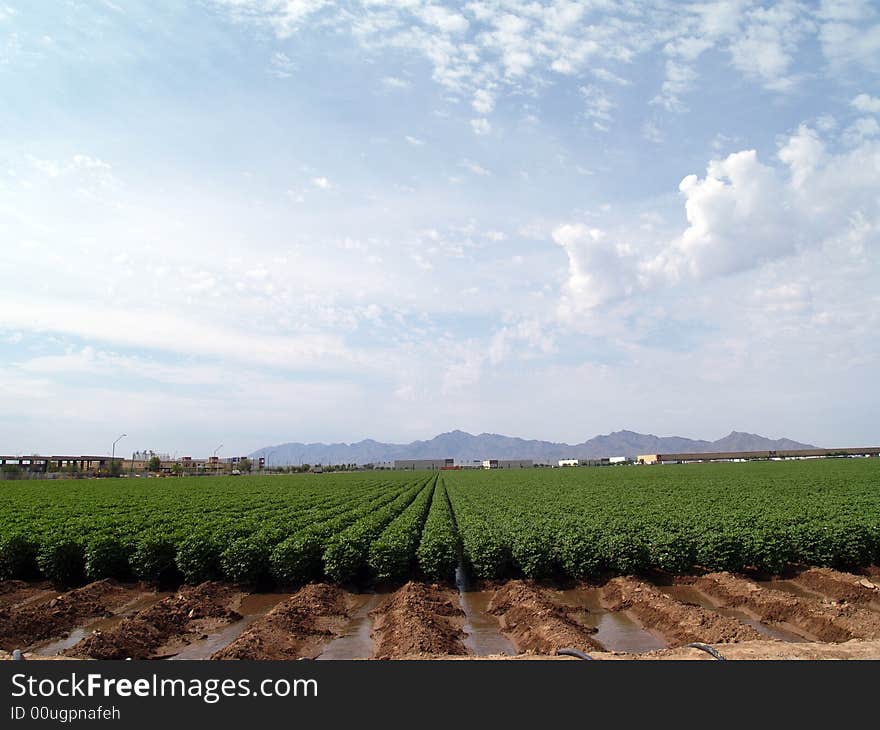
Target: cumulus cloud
<point>742,214</point>
<point>866,103</point>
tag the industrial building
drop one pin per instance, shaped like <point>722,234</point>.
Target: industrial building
<point>507,464</point>
<point>867,451</point>
<point>569,462</point>
<point>423,464</point>
<point>35,464</point>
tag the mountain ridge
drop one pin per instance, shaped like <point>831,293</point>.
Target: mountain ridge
<point>465,446</point>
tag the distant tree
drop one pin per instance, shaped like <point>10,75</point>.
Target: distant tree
<point>11,471</point>
<point>154,464</point>
<point>176,469</point>
<point>305,467</point>
<point>245,465</point>
<point>115,469</point>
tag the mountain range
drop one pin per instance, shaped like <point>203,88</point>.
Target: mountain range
<point>464,446</point>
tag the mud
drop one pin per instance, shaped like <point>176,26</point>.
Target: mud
<point>419,619</point>
<point>15,593</point>
<point>26,623</point>
<point>298,627</point>
<point>538,622</point>
<point>162,629</point>
<point>814,619</point>
<point>681,623</point>
<point>838,586</point>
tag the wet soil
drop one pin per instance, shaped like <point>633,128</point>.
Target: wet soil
<point>815,619</point>
<point>419,619</point>
<point>29,622</point>
<point>615,630</point>
<point>537,621</point>
<point>164,628</point>
<point>840,586</point>
<point>681,623</point>
<point>15,593</point>
<point>296,628</point>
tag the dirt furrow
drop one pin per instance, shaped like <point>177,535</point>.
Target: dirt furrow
<point>165,626</point>
<point>298,627</point>
<point>17,593</point>
<point>821,620</point>
<point>840,586</point>
<point>419,619</point>
<point>681,623</point>
<point>536,622</point>
<point>25,624</point>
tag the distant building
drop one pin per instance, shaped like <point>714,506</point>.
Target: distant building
<point>423,464</point>
<point>690,458</point>
<point>507,464</point>
<point>618,459</point>
<point>568,462</point>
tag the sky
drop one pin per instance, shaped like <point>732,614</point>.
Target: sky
<point>246,222</point>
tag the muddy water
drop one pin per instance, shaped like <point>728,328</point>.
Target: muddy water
<point>139,603</point>
<point>615,630</point>
<point>689,594</point>
<point>355,641</point>
<point>484,637</point>
<point>792,588</point>
<point>252,607</point>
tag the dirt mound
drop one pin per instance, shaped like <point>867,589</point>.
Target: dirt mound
<point>840,586</point>
<point>14,593</point>
<point>24,625</point>
<point>681,623</point>
<point>418,619</point>
<point>536,622</point>
<point>815,619</point>
<point>296,628</point>
<point>192,610</point>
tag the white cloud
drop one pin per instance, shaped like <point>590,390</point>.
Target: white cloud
<point>322,183</point>
<point>599,106</point>
<point>414,141</point>
<point>481,126</point>
<point>394,82</point>
<point>866,103</point>
<point>742,215</point>
<point>474,167</point>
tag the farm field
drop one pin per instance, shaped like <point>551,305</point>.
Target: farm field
<point>774,558</point>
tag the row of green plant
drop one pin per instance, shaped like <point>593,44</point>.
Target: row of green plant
<point>583,523</point>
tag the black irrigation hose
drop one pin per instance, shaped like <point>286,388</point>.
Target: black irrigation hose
<point>575,653</point>
<point>706,648</point>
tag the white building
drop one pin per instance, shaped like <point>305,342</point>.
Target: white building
<point>568,462</point>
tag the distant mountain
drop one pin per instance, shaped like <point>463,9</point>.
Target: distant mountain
<point>467,447</point>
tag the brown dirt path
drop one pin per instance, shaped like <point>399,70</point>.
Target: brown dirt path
<point>419,619</point>
<point>537,622</point>
<point>298,627</point>
<point>681,623</point>
<point>816,619</point>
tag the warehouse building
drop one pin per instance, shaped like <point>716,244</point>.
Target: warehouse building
<point>507,464</point>
<point>692,458</point>
<point>423,464</point>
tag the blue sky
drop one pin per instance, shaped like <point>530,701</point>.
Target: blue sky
<point>254,221</point>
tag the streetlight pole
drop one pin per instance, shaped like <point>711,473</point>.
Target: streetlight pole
<point>216,461</point>
<point>113,451</point>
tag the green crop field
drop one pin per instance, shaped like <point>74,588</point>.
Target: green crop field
<point>391,526</point>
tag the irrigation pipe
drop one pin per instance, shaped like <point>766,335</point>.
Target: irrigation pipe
<point>706,648</point>
<point>575,653</point>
